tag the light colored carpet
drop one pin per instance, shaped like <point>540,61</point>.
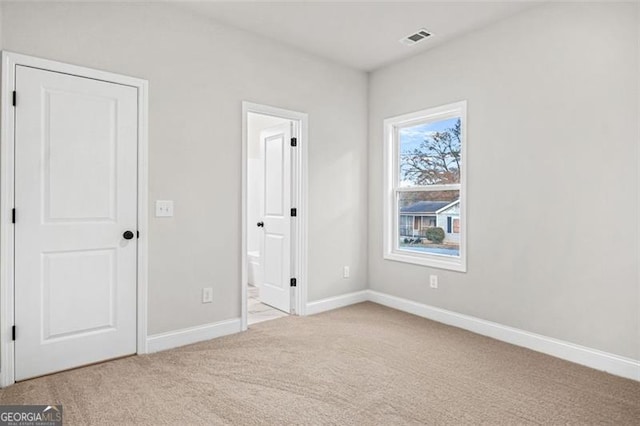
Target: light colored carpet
<point>365,364</point>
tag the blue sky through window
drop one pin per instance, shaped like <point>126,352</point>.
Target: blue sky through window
<point>412,137</point>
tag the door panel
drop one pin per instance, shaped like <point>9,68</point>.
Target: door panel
<point>274,247</point>
<point>274,175</point>
<point>93,144</point>
<point>76,194</point>
<point>64,274</point>
<point>276,242</point>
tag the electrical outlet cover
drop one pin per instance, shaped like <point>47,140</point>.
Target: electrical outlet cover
<point>433,281</point>
<point>346,272</point>
<point>207,295</point>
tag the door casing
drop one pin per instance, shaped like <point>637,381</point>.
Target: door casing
<point>299,179</point>
<point>7,177</point>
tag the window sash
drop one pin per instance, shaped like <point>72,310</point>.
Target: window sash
<point>395,231</point>
<point>432,118</point>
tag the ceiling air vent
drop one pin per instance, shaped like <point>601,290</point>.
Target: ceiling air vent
<point>416,37</point>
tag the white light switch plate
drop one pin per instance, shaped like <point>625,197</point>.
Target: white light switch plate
<point>164,208</point>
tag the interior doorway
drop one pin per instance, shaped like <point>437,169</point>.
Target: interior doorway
<point>274,245</point>
<point>268,197</point>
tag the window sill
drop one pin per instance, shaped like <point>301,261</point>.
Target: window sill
<point>458,265</point>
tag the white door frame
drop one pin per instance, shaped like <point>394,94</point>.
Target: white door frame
<point>299,181</point>
<point>7,178</point>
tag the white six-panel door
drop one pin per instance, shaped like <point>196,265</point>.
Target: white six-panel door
<point>276,240</point>
<point>75,197</point>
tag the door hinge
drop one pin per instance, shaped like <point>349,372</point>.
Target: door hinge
<point>294,141</point>
<point>13,215</point>
<point>15,95</point>
<point>13,333</point>
<point>294,212</point>
<point>138,234</point>
<point>294,282</point>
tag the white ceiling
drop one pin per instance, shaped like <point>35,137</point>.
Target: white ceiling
<point>363,35</point>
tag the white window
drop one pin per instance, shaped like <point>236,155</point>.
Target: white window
<point>425,170</point>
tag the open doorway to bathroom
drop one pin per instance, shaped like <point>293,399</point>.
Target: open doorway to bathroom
<point>268,245</point>
<point>273,243</point>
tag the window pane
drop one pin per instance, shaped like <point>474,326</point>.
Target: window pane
<point>429,222</point>
<point>430,153</point>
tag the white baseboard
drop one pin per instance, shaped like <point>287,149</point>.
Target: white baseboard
<point>599,360</point>
<point>336,302</point>
<point>186,336</point>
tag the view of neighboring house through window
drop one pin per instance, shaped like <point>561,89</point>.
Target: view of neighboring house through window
<point>425,160</point>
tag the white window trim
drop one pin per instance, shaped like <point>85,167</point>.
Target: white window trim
<point>390,241</point>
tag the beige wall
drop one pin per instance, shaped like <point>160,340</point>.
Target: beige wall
<point>199,73</point>
<point>552,157</point>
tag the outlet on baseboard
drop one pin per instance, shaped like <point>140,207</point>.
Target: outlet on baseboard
<point>345,272</point>
<point>207,295</point>
<point>433,281</point>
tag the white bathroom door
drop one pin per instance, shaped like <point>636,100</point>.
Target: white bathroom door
<point>75,221</point>
<point>276,239</point>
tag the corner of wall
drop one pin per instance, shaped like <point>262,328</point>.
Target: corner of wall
<point>638,165</point>
<point>367,285</point>
<point>1,25</point>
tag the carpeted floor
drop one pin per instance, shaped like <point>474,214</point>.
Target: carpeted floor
<point>365,364</point>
